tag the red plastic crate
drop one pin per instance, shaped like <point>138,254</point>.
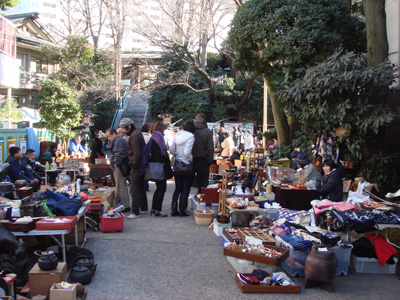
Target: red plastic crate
<point>51,223</point>
<point>108,224</point>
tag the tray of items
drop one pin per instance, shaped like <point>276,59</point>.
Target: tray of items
<point>231,234</point>
<point>261,282</point>
<point>57,223</point>
<point>270,255</point>
<point>255,236</point>
<point>24,224</point>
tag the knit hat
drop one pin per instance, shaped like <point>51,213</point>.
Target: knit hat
<point>295,153</point>
<point>125,122</point>
<point>302,159</point>
<point>14,150</point>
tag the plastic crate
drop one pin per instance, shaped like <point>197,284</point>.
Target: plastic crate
<point>246,266</point>
<point>201,205</point>
<point>295,263</point>
<point>108,224</point>
<point>371,265</point>
<point>218,227</point>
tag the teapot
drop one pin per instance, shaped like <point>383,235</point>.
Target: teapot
<point>81,274</point>
<point>47,260</point>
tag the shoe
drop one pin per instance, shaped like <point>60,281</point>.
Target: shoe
<point>158,213</point>
<point>174,213</point>
<point>184,213</point>
<point>126,210</point>
<point>133,216</point>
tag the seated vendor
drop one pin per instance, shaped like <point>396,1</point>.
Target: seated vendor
<point>312,177</point>
<point>75,145</point>
<point>331,186</point>
<point>29,159</point>
<point>50,152</point>
<point>18,170</point>
<point>235,155</point>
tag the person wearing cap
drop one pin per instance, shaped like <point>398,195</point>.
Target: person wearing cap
<point>122,134</point>
<point>311,174</point>
<point>97,146</point>
<point>18,170</point>
<point>202,151</point>
<point>136,145</point>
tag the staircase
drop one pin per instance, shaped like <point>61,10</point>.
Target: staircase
<point>137,108</point>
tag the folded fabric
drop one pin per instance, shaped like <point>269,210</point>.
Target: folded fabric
<point>292,215</point>
<point>383,249</point>
<point>360,222</point>
<point>278,230</point>
<point>322,206</point>
<point>297,242</point>
<point>61,205</point>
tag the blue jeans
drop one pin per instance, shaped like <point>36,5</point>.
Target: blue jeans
<point>182,190</point>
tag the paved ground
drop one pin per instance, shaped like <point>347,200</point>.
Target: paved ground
<point>173,258</point>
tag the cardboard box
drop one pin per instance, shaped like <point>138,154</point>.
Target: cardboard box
<point>107,194</point>
<point>63,294</point>
<point>40,281</point>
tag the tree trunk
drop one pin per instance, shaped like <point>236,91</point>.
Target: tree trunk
<point>294,126</point>
<point>377,42</point>
<point>281,124</point>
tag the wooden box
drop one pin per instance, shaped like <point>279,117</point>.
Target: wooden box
<point>40,281</point>
<point>256,234</point>
<point>25,191</point>
<point>259,258</point>
<point>273,289</point>
<point>32,209</point>
<point>63,294</point>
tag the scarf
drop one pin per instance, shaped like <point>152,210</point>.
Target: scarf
<point>158,137</point>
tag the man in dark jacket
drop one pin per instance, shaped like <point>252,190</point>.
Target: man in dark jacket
<point>29,160</point>
<point>203,151</point>
<point>119,156</point>
<point>18,170</point>
<point>136,145</point>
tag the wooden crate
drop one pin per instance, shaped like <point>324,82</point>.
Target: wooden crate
<point>257,234</point>
<point>273,289</point>
<point>259,258</point>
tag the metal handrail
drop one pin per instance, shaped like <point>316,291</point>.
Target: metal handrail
<point>122,103</point>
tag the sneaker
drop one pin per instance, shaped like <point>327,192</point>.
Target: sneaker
<point>133,216</point>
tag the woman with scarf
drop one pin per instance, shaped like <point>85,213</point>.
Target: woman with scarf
<point>156,151</point>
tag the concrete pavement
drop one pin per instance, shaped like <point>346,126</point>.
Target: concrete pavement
<point>173,258</point>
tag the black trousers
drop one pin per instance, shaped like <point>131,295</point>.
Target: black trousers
<point>138,192</point>
<point>201,168</point>
<point>182,190</point>
<point>158,196</point>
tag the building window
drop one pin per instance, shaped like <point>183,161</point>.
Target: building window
<point>42,66</point>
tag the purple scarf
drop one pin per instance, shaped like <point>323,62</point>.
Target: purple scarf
<point>158,137</point>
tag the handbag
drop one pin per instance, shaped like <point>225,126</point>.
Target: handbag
<point>154,171</point>
<point>181,168</point>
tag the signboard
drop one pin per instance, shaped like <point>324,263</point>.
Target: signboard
<point>245,126</point>
<point>22,144</point>
<point>12,143</point>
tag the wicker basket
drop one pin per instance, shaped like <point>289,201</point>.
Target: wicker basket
<point>203,217</point>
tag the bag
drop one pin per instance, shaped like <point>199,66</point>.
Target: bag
<point>124,167</point>
<point>181,168</point>
<point>154,171</point>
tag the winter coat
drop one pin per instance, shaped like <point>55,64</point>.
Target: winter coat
<point>136,146</point>
<point>227,145</point>
<point>221,138</point>
<point>248,142</point>
<point>48,154</point>
<point>311,173</point>
<point>182,146</point>
<point>236,138</point>
<point>203,146</point>
<point>18,170</point>
<point>119,152</point>
<point>33,166</point>
<point>331,186</point>
<point>235,155</point>
<point>96,150</point>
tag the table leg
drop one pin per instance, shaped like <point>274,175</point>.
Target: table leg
<point>387,239</point>
<point>63,247</point>
<point>76,234</point>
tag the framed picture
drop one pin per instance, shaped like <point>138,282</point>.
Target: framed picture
<point>71,163</point>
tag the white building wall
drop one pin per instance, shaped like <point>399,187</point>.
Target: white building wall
<point>9,73</point>
<point>393,31</point>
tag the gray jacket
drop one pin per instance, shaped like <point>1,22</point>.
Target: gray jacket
<point>119,151</point>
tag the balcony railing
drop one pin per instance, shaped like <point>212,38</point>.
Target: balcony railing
<point>30,80</point>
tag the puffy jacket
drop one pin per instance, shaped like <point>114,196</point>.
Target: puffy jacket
<point>227,145</point>
<point>182,146</point>
<point>96,150</point>
<point>18,170</point>
<point>203,146</point>
<point>331,186</point>
<point>136,145</point>
<point>119,151</point>
<point>312,174</point>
